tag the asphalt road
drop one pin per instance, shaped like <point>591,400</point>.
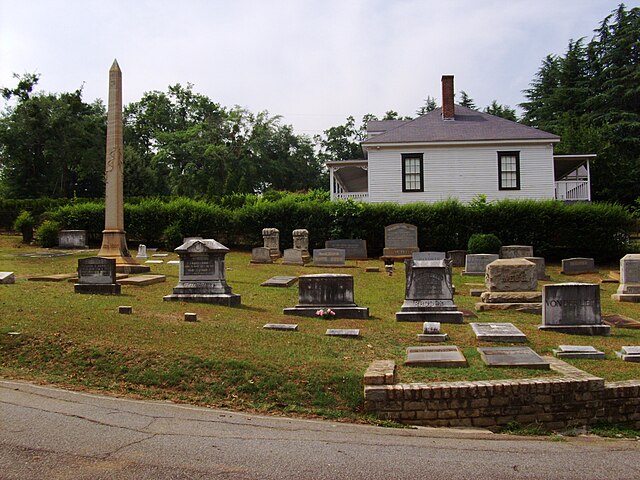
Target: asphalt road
<point>47,433</point>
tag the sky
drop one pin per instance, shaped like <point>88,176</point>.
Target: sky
<point>312,62</point>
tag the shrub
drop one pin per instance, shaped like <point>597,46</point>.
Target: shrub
<point>172,236</point>
<point>484,243</point>
<point>24,224</point>
<point>47,233</point>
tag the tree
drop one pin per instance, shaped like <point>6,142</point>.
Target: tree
<point>467,101</point>
<point>429,106</point>
<point>342,142</point>
<point>51,144</point>
<point>503,111</point>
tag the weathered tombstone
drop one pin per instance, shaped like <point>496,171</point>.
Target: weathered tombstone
<point>498,332</point>
<point>261,255</point>
<point>578,266</point>
<point>540,267</point>
<point>7,278</point>
<point>573,308</point>
<point>355,249</point>
<point>428,255</point>
<point>329,257</point>
<point>97,275</point>
<point>629,289</point>
<point>281,326</point>
<point>429,293</point>
<point>586,352</point>
<point>301,239</point>
<point>522,357</point>
<point>400,240</point>
<point>457,257</point>
<point>72,239</point>
<point>444,356</point>
<point>282,281</point>
<point>293,256</point>
<point>511,285</point>
<point>431,333</point>
<point>629,353</point>
<point>333,291</point>
<point>271,239</point>
<point>343,332</point>
<point>516,251</point>
<point>142,251</point>
<point>125,309</point>
<point>202,274</point>
<point>190,317</point>
<point>476,263</point>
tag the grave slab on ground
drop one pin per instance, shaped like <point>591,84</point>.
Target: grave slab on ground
<point>521,357</point>
<point>445,356</point>
<point>629,353</point>
<point>282,281</point>
<point>587,352</point>
<point>56,277</point>
<point>498,332</point>
<point>281,326</point>
<point>343,332</point>
<point>142,280</point>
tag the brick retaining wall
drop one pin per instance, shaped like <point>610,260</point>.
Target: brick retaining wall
<point>576,399</point>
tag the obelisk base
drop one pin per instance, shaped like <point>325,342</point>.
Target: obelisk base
<point>114,245</point>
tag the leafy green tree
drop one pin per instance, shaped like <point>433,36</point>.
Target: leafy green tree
<point>429,106</point>
<point>467,101</point>
<point>503,111</point>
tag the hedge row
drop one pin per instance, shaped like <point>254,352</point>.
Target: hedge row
<point>555,230</point>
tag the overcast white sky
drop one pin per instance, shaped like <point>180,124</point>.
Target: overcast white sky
<point>313,62</point>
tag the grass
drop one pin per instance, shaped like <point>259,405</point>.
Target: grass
<point>226,359</point>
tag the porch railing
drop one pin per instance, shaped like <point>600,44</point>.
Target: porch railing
<point>573,190</point>
<point>359,196</point>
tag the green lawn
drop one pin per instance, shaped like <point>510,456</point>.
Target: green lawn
<point>226,359</point>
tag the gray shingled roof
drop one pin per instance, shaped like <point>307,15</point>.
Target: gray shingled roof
<point>469,125</point>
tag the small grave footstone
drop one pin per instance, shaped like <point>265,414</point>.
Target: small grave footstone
<point>355,249</point>
<point>578,351</point>
<point>516,251</point>
<point>522,357</point>
<point>498,332</point>
<point>281,326</point>
<point>440,356</point>
<point>154,262</point>
<point>261,255</point>
<point>629,353</point>
<point>578,266</point>
<point>142,251</point>
<point>190,317</point>
<point>400,240</point>
<point>333,291</point>
<point>343,332</point>
<point>125,309</point>
<point>329,257</point>
<point>476,292</point>
<point>142,280</point>
<point>431,333</point>
<point>97,275</point>
<point>457,257</point>
<point>7,278</point>
<point>573,308</point>
<point>281,281</point>
<point>372,269</point>
<point>72,239</point>
<point>202,274</point>
<point>160,255</point>
<point>476,263</point>
<point>173,262</point>
<point>629,289</point>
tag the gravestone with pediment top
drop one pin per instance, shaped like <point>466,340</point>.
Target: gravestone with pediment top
<point>429,293</point>
<point>202,274</point>
<point>400,240</point>
<point>97,275</point>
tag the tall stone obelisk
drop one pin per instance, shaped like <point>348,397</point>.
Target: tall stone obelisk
<point>114,242</point>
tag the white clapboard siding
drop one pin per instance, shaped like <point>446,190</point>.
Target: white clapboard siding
<point>461,172</point>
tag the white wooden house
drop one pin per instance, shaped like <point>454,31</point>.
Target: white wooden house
<point>457,152</point>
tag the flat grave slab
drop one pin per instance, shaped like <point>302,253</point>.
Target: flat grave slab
<point>343,332</point>
<point>629,353</point>
<point>620,321</point>
<point>57,277</point>
<point>372,269</point>
<point>173,262</point>
<point>436,356</point>
<point>142,280</point>
<point>498,332</point>
<point>578,351</point>
<point>154,262</point>
<point>7,278</point>
<point>160,255</point>
<point>282,281</point>
<point>432,337</point>
<point>522,357</point>
<point>281,326</point>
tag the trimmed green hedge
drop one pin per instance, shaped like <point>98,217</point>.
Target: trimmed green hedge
<point>556,230</point>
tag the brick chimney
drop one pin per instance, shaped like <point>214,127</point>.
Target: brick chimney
<point>448,110</point>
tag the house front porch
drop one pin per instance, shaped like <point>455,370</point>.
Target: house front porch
<point>349,179</point>
<point>572,177</point>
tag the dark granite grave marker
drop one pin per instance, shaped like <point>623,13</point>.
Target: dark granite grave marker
<point>322,291</point>
<point>355,249</point>
<point>440,356</point>
<point>577,266</point>
<point>573,308</point>
<point>522,357</point>
<point>97,275</point>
